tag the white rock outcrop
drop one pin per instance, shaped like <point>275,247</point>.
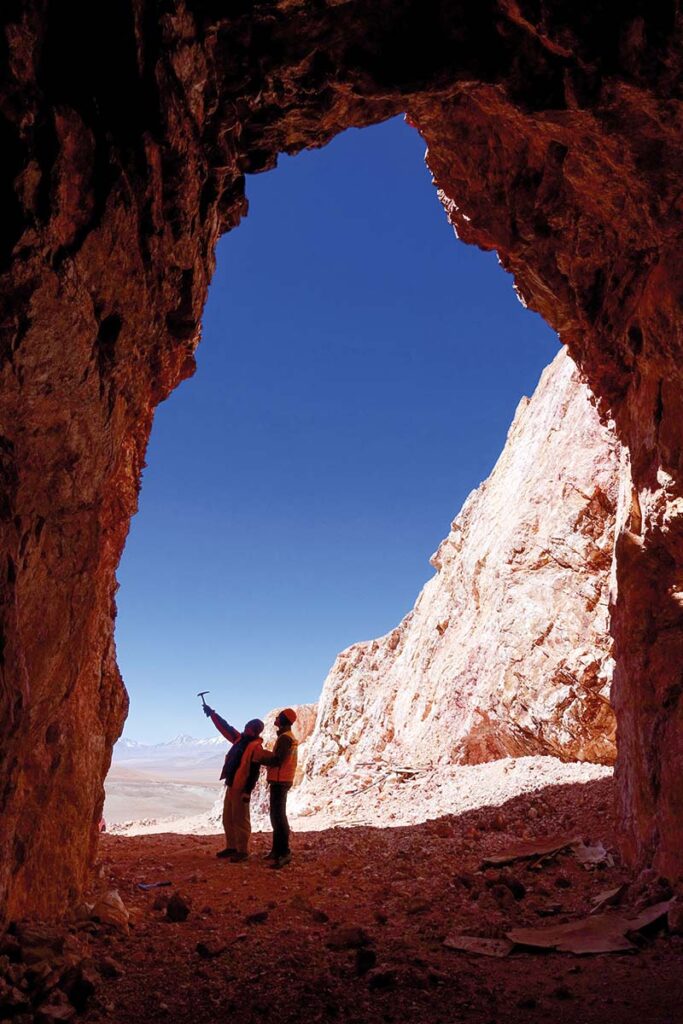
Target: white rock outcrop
<point>507,650</point>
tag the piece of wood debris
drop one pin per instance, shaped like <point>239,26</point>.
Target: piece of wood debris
<point>608,898</point>
<point>599,933</point>
<point>530,849</point>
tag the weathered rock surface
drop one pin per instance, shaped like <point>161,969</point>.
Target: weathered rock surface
<point>555,136</point>
<point>507,650</point>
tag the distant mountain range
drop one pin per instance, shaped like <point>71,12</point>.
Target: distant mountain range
<point>182,757</point>
<point>124,749</point>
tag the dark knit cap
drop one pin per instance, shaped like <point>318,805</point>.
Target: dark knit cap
<point>289,714</point>
<point>254,727</point>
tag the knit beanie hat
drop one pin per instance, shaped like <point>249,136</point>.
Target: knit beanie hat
<point>289,714</point>
<point>254,727</point>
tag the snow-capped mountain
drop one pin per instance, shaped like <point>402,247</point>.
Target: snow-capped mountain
<point>182,757</point>
<point>126,748</point>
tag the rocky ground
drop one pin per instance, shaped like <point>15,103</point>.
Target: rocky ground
<point>353,930</point>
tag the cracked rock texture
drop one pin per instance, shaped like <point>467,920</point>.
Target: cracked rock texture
<point>126,129</point>
<point>507,650</point>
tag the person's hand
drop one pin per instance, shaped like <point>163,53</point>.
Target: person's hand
<point>208,711</point>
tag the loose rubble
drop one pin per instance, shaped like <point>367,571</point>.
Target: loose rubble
<point>367,925</point>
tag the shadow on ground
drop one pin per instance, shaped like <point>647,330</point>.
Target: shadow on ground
<point>353,929</point>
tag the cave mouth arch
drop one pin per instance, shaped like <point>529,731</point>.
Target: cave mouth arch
<point>401,356</point>
<point>554,138</point>
<point>349,387</point>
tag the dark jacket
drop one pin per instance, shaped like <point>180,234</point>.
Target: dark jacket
<point>242,744</point>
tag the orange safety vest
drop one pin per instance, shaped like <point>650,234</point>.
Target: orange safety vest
<point>242,773</point>
<point>287,770</point>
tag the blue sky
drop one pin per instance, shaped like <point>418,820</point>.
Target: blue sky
<point>358,372</point>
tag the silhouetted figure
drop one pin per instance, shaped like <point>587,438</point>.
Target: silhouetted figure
<point>240,773</point>
<point>281,763</point>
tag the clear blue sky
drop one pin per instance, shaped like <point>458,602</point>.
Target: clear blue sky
<point>358,372</point>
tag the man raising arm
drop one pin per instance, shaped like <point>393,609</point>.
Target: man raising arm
<point>240,773</point>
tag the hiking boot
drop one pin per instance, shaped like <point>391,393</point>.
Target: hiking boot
<point>227,852</point>
<point>239,858</point>
<point>282,861</point>
<point>271,855</point>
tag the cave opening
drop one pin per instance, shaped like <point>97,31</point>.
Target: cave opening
<point>357,377</point>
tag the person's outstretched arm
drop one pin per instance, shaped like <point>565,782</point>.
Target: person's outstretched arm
<point>225,729</point>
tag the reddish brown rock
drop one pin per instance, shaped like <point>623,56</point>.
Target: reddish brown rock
<point>555,137</point>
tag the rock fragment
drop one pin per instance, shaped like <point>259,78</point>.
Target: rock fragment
<point>348,938</point>
<point>177,908</point>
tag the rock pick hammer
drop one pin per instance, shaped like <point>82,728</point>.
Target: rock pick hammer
<point>201,694</point>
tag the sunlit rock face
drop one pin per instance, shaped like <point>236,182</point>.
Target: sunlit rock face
<point>127,129</point>
<point>507,650</point>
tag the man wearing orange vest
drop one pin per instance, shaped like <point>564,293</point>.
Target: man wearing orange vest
<point>240,772</point>
<point>281,763</point>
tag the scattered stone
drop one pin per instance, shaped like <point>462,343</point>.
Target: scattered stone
<point>39,936</point>
<point>592,856</point>
<point>56,1008</point>
<point>551,910</point>
<point>382,978</point>
<point>366,959</point>
<point>417,905</point>
<point>79,983</point>
<point>503,896</point>
<point>110,909</point>
<point>110,968</point>
<point>177,908</point>
<point>258,917</point>
<point>467,880</point>
<point>516,887</point>
<point>209,950</point>
<point>348,938</point>
<point>443,830</point>
<point>83,911</point>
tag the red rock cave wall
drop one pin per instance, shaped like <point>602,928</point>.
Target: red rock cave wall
<point>126,131</point>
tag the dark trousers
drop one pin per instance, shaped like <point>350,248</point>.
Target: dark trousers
<point>278,816</point>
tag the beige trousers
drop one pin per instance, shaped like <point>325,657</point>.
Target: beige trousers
<point>236,819</point>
